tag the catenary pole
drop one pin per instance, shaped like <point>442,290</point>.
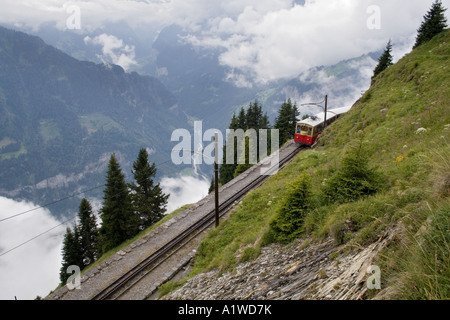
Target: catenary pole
<point>216,177</point>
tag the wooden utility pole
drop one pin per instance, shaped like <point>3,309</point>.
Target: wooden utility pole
<point>216,177</point>
<point>326,107</point>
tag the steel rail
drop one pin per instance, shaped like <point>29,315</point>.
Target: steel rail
<point>195,229</point>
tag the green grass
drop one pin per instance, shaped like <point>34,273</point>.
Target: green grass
<point>8,155</point>
<point>49,130</point>
<point>412,94</point>
<point>94,122</point>
<point>170,286</point>
<point>416,264</point>
<point>262,97</point>
<point>6,141</point>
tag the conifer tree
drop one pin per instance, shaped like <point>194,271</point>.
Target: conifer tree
<point>212,186</point>
<point>264,122</point>
<point>286,121</point>
<point>242,167</point>
<point>118,220</point>
<point>287,224</point>
<point>434,23</point>
<point>241,120</point>
<point>234,122</point>
<point>89,235</point>
<point>253,118</point>
<point>384,62</point>
<point>355,179</point>
<point>226,170</point>
<point>149,202</point>
<point>72,253</point>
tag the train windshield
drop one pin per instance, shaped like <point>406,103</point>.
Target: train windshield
<point>304,130</point>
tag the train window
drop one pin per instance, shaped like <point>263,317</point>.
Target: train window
<point>318,128</point>
<point>305,130</point>
<point>298,129</point>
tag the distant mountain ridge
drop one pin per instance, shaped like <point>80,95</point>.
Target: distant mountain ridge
<point>59,117</point>
<point>201,83</point>
<point>199,80</point>
<point>47,97</point>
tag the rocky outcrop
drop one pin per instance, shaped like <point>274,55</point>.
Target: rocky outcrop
<point>318,270</point>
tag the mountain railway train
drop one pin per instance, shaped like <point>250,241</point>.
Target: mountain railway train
<point>308,130</point>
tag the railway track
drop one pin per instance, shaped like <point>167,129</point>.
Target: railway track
<point>125,282</point>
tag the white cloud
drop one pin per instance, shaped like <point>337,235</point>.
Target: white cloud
<point>32,269</point>
<point>262,40</point>
<point>96,13</point>
<point>184,190</point>
<point>281,43</point>
<point>342,89</point>
<point>114,50</point>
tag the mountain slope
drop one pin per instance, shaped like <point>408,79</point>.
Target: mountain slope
<point>403,125</point>
<point>60,118</point>
<point>196,77</point>
<point>206,92</point>
<point>203,85</point>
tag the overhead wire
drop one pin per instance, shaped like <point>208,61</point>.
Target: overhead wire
<point>35,237</point>
<point>62,199</point>
<point>50,203</point>
<point>59,225</point>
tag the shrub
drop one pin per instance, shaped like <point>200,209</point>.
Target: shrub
<point>354,179</point>
<point>287,224</point>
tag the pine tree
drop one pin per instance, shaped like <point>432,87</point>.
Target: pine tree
<point>434,23</point>
<point>234,124</point>
<point>264,122</point>
<point>149,202</point>
<point>118,220</point>
<point>80,245</point>
<point>259,120</point>
<point>286,121</point>
<point>253,118</point>
<point>226,170</point>
<point>242,167</point>
<point>384,62</point>
<point>72,253</point>
<point>287,224</point>
<point>241,120</point>
<point>354,180</point>
<point>89,235</point>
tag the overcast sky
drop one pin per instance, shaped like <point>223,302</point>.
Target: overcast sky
<point>263,40</point>
<point>33,269</point>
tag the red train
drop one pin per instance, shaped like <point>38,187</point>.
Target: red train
<point>308,130</point>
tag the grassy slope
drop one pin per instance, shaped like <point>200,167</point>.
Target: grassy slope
<point>412,94</point>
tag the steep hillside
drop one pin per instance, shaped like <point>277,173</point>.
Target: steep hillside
<point>60,118</point>
<point>401,126</point>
